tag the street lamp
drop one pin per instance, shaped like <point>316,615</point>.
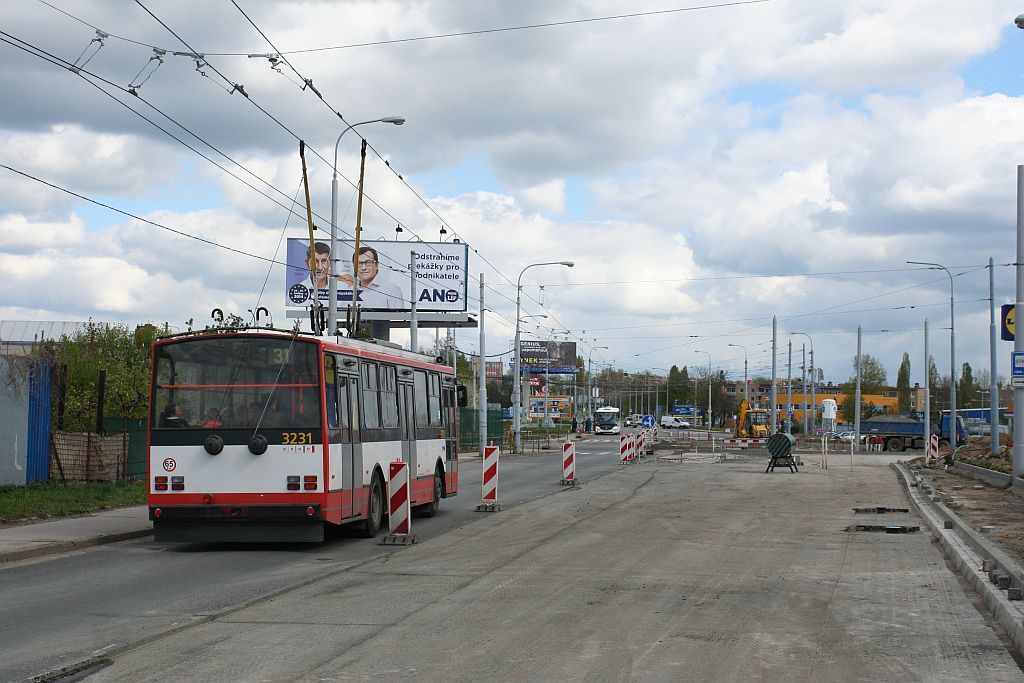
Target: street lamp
<point>814,379</point>
<point>952,356</point>
<point>517,395</point>
<point>709,386</point>
<point>590,381</point>
<point>746,389</point>
<point>332,285</point>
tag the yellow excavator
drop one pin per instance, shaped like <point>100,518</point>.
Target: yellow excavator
<point>752,423</point>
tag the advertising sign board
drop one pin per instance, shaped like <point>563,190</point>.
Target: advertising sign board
<point>555,357</point>
<point>441,274</point>
<point>684,409</point>
<point>558,406</point>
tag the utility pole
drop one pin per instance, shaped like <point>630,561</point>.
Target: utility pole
<point>856,423</point>
<point>789,391</point>
<point>774,393</point>
<point>993,416</point>
<point>483,374</point>
<point>803,381</point>
<point>927,389</point>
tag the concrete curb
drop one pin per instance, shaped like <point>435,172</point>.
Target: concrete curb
<point>971,555</point>
<point>68,546</point>
<point>990,477</point>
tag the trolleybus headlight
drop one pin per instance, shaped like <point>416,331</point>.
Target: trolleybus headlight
<point>213,444</point>
<point>258,444</point>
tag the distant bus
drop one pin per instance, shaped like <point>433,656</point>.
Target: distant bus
<point>606,420</point>
<point>270,436</point>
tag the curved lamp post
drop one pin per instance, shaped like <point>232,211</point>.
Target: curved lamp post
<point>746,387</point>
<point>517,395</point>
<point>814,380</point>
<point>332,285</point>
<point>952,356</point>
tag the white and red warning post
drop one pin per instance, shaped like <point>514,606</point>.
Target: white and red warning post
<point>568,464</point>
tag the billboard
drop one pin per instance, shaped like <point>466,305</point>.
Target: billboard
<point>555,357</point>
<point>441,274</point>
<point>495,369</point>
<point>558,406</point>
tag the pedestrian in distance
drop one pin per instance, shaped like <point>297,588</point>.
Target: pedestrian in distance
<point>575,425</point>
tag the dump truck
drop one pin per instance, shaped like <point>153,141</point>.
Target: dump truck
<point>752,423</point>
<point>901,433</point>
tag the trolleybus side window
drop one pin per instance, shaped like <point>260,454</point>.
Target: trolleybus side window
<point>420,399</point>
<point>332,391</point>
<point>371,405</point>
<point>388,397</point>
<point>435,400</point>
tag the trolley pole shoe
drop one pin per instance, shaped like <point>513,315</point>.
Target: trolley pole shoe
<point>399,518</point>
<point>568,464</point>
<point>489,483</point>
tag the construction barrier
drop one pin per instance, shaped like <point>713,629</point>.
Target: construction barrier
<point>489,483</point>
<point>632,447</point>
<point>932,452</point>
<point>691,435</point>
<point>398,505</point>
<point>623,449</point>
<point>568,464</point>
<point>745,443</point>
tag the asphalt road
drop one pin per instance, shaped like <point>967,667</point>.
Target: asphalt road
<point>60,610</point>
<point>661,572</point>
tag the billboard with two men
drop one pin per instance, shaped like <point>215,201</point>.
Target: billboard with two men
<point>383,272</point>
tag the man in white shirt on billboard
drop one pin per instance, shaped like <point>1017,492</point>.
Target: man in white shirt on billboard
<point>375,291</point>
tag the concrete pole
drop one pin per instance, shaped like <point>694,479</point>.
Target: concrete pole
<point>413,342</point>
<point>993,390</point>
<point>483,374</point>
<point>803,381</point>
<point>1018,339</point>
<point>517,396</point>
<point>927,390</point>
<point>789,391</point>
<point>774,393</point>
<point>856,422</point>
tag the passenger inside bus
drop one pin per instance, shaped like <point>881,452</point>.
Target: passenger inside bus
<point>212,420</point>
<point>172,417</point>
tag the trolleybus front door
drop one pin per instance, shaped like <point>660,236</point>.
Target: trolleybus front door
<point>349,421</point>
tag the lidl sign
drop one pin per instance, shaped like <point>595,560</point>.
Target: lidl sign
<point>1008,322</point>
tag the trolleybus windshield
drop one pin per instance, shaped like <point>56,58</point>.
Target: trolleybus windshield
<point>235,383</point>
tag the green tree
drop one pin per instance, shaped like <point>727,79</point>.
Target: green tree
<point>873,378</point>
<point>966,388</point>
<point>903,386</point>
<point>122,352</point>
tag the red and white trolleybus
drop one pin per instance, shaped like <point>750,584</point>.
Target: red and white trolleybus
<point>262,435</point>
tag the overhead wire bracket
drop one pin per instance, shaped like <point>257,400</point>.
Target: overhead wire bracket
<point>158,57</point>
<point>101,37</point>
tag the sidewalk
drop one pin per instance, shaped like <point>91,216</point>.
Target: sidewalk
<point>26,541</point>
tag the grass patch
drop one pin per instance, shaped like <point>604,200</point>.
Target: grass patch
<point>48,500</point>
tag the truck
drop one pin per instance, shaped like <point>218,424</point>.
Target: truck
<point>752,423</point>
<point>901,433</point>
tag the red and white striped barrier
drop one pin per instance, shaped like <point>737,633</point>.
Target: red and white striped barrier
<point>398,505</point>
<point>746,443</point>
<point>568,464</point>
<point>489,484</point>
<point>623,449</point>
<point>632,448</point>
<point>932,451</point>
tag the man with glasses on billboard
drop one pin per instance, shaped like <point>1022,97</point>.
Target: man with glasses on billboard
<point>375,291</point>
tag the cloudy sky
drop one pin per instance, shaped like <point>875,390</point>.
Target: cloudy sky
<point>705,169</point>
